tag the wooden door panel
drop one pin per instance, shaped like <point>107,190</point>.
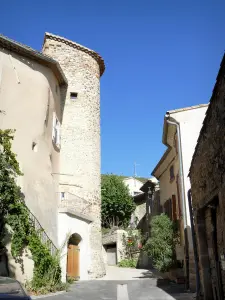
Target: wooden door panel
<point>73,260</point>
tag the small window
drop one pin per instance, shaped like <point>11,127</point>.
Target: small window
<point>73,96</point>
<point>63,196</point>
<point>56,131</point>
<point>172,173</point>
<point>56,89</point>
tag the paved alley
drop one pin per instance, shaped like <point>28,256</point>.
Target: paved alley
<point>125,284</point>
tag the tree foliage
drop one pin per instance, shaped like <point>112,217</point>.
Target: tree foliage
<point>160,245</point>
<point>117,204</point>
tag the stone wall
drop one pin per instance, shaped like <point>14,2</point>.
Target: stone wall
<point>207,184</point>
<point>80,134</point>
<point>207,168</point>
<point>116,238</point>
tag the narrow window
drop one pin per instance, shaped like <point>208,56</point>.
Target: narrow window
<point>73,96</point>
<point>47,110</point>
<point>56,89</point>
<point>34,147</point>
<point>56,131</point>
<point>62,195</point>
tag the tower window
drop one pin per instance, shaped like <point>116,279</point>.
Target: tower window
<point>73,96</point>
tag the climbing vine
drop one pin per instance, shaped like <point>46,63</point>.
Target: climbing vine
<point>15,215</point>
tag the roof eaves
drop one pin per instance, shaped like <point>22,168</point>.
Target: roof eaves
<point>186,108</point>
<point>92,53</point>
<point>24,50</point>
<point>160,162</point>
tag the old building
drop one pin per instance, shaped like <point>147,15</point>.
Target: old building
<point>208,190</point>
<point>80,178</point>
<point>52,99</point>
<point>172,173</point>
<point>30,85</point>
<point>142,191</point>
<point>134,184</point>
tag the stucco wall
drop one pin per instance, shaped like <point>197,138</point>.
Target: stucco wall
<point>190,126</point>
<point>80,150</point>
<point>25,105</point>
<point>67,223</point>
<point>167,187</point>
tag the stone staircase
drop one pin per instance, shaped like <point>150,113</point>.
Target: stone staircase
<point>41,233</point>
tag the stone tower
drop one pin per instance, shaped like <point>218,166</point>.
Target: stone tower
<point>80,177</point>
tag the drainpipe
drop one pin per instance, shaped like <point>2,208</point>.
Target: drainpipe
<point>194,245</point>
<point>175,123</point>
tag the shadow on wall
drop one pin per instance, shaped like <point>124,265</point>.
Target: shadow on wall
<point>6,268</point>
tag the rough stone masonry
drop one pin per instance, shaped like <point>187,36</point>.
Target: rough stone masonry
<point>80,133</point>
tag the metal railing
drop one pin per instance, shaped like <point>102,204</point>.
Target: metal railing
<point>41,233</point>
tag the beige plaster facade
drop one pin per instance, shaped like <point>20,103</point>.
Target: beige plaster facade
<point>29,98</point>
<point>173,173</point>
<point>54,105</point>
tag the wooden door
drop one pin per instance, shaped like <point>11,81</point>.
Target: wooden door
<point>73,262</point>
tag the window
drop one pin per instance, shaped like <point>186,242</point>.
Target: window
<point>47,110</point>
<point>56,131</point>
<point>73,96</point>
<point>174,207</point>
<point>172,173</point>
<point>63,196</point>
<point>56,89</point>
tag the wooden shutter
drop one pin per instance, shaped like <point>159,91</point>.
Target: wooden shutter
<point>174,207</point>
<point>178,196</point>
<point>170,208</point>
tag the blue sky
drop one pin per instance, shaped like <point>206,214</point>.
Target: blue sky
<point>159,55</point>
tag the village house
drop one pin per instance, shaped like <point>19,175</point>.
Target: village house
<point>208,195</point>
<point>180,133</point>
<point>52,99</point>
<point>145,194</point>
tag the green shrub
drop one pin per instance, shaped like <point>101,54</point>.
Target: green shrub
<point>160,245</point>
<point>70,280</point>
<point>128,263</point>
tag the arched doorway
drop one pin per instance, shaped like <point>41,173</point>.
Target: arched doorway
<point>73,257</point>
